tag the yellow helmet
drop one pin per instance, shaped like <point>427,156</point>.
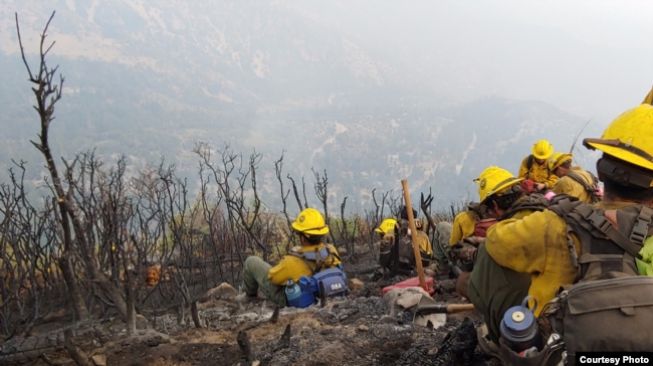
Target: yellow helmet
<point>557,159</point>
<point>629,137</point>
<point>386,226</point>
<point>494,180</point>
<point>310,221</point>
<point>542,150</point>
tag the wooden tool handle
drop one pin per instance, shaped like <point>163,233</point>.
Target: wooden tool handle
<point>456,308</point>
<point>413,234</point>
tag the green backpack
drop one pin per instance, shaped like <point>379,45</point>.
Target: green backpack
<point>609,290</point>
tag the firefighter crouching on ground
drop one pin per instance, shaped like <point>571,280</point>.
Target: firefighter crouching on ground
<point>468,231</point>
<point>386,232</point>
<point>271,281</point>
<point>538,244</point>
<point>535,168</point>
<point>573,180</point>
<point>403,243</point>
<point>492,288</point>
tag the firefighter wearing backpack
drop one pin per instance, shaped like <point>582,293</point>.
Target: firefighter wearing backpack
<point>492,288</point>
<point>397,254</point>
<point>403,256</point>
<point>604,246</point>
<point>494,182</point>
<point>535,168</point>
<point>312,255</point>
<point>573,180</point>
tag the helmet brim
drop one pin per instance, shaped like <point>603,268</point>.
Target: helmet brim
<point>542,157</point>
<point>317,231</point>
<point>622,154</point>
<point>502,186</point>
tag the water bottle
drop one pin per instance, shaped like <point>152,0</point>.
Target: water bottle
<point>519,328</point>
<point>293,293</point>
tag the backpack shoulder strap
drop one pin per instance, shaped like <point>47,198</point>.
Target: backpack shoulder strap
<point>589,188</point>
<point>598,221</point>
<point>316,255</point>
<point>316,258</point>
<point>529,162</point>
<point>563,206</point>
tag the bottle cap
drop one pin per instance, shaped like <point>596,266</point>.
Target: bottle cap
<point>518,316</point>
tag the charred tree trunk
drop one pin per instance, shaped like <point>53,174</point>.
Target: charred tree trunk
<point>48,92</point>
<point>129,292</point>
<point>80,311</point>
<point>194,312</point>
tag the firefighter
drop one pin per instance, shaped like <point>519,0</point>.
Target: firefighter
<point>573,180</point>
<point>303,260</point>
<point>539,244</point>
<point>535,168</point>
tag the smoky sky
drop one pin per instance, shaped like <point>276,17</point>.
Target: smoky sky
<point>591,58</point>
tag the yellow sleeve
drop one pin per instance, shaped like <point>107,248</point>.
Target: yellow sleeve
<point>523,168</point>
<point>289,268</point>
<point>520,244</point>
<point>462,227</point>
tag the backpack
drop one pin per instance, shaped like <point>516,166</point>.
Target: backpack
<point>531,202</point>
<point>324,283</point>
<point>591,189</point>
<point>609,290</point>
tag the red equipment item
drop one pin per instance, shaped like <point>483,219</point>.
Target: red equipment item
<point>412,282</point>
<point>481,226</point>
<point>528,186</point>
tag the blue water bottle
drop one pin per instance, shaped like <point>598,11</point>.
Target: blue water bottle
<point>519,328</point>
<point>293,293</point>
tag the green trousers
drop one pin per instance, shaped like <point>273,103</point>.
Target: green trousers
<point>255,277</point>
<point>494,289</point>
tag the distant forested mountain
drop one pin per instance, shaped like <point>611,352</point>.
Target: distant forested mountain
<point>150,79</point>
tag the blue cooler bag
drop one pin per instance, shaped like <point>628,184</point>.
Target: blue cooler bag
<point>331,282</point>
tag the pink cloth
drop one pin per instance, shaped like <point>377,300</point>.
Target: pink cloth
<point>549,195</point>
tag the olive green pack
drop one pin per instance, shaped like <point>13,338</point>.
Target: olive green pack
<point>610,308</point>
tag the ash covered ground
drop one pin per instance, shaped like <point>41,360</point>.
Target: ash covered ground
<point>360,329</point>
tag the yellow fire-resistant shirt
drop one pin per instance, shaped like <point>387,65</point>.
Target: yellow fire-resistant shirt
<point>538,173</point>
<point>293,266</point>
<point>462,227</point>
<point>424,243</point>
<point>537,244</point>
<point>570,186</point>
